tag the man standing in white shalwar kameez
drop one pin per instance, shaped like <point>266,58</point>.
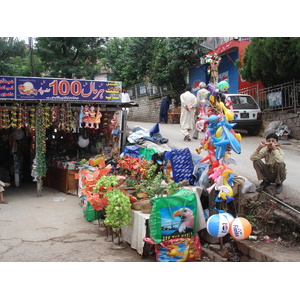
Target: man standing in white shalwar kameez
<point>187,116</point>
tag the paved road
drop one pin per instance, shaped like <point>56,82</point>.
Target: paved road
<point>291,191</point>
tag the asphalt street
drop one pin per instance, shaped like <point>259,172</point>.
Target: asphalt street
<point>243,167</point>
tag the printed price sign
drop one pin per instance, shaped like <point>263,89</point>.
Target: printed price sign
<point>31,88</point>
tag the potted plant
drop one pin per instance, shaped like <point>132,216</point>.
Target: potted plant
<point>133,167</point>
<point>117,213</point>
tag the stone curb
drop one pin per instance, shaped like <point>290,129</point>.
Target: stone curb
<point>268,251</point>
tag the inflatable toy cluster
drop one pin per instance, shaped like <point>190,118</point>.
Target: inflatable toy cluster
<point>217,121</point>
<point>219,225</point>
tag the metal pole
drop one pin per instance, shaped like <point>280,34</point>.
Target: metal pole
<point>281,202</point>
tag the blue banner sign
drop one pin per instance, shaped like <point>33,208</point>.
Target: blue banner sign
<point>7,88</point>
<point>40,88</point>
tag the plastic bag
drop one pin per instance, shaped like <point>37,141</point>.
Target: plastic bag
<point>272,127</point>
<point>177,250</point>
<point>146,153</point>
<point>173,216</point>
<point>182,165</point>
<point>133,151</point>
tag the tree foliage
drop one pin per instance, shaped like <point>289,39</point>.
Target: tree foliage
<point>271,60</point>
<point>70,57</point>
<point>10,48</point>
<point>15,58</point>
<point>160,60</point>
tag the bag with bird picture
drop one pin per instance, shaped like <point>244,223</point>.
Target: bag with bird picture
<point>173,216</point>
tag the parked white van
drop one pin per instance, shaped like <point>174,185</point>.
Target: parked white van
<point>247,113</point>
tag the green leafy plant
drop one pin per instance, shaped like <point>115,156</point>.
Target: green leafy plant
<point>105,181</point>
<point>130,182</point>
<point>117,212</point>
<point>153,186</point>
<point>172,187</point>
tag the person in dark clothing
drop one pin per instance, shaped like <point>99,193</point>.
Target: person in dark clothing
<point>164,107</point>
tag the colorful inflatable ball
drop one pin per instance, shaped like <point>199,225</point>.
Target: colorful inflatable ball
<point>229,217</point>
<point>217,225</point>
<point>240,228</point>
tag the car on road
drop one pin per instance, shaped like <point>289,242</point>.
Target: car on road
<point>247,112</point>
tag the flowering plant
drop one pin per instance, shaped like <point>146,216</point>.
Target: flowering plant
<point>133,166</point>
<point>97,183</point>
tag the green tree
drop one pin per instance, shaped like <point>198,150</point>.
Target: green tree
<point>15,59</point>
<point>128,58</point>
<point>271,60</point>
<point>18,66</point>
<point>160,60</point>
<point>173,57</point>
<point>10,48</point>
<point>70,57</point>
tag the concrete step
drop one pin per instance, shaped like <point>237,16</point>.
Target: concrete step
<point>263,251</point>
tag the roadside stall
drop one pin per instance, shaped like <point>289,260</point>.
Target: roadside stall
<point>174,115</point>
<point>48,125</point>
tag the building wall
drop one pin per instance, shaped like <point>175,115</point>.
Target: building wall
<point>147,111</point>
<point>227,71</point>
<point>291,120</point>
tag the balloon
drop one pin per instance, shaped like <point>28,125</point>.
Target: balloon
<point>227,112</point>
<point>217,225</point>
<point>229,217</point>
<point>223,85</point>
<point>240,228</point>
<point>83,142</point>
<point>211,88</point>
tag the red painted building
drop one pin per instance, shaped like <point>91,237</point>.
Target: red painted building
<point>229,53</point>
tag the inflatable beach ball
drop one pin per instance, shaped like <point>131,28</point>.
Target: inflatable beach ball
<point>229,217</point>
<point>217,225</point>
<point>240,228</point>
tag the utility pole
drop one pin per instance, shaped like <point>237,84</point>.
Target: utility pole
<point>30,43</point>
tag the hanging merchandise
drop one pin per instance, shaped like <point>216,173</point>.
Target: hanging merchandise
<point>62,112</point>
<point>1,117</point>
<point>55,115</point>
<point>220,139</point>
<point>5,117</point>
<point>40,142</point>
<point>13,118</point>
<point>214,61</point>
<point>86,116</point>
<point>26,116</point>
<point>32,117</point>
<point>98,117</point>
<point>34,172</point>
<point>92,115</point>
<point>47,116</point>
<point>20,117</point>
<point>82,142</point>
<point>69,118</point>
<point>89,117</point>
<point>76,121</point>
